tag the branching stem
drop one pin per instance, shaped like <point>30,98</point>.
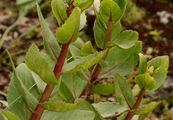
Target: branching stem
<point>136,104</point>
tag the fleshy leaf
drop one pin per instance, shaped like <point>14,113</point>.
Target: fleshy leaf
<point>39,65</point>
<point>160,65</point>
<point>84,62</point>
<point>146,108</point>
<point>126,39</point>
<point>59,10</point>
<point>125,89</point>
<point>50,43</point>
<point>69,30</point>
<point>83,4</point>
<point>58,106</point>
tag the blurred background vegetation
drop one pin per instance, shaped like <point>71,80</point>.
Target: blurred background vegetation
<point>153,19</point>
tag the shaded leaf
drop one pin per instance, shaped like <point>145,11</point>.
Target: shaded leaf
<point>75,82</point>
<point>125,89</point>
<point>87,48</point>
<point>65,92</point>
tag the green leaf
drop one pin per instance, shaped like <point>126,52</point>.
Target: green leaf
<point>59,10</point>
<point>122,4</point>
<point>125,89</point>
<point>108,109</point>
<point>126,39</point>
<point>99,31</point>
<point>65,92</point>
<point>39,65</point>
<point>113,10</point>
<point>160,65</point>
<point>83,4</point>
<point>50,43</point>
<point>85,105</point>
<point>100,25</point>
<point>18,99</point>
<point>145,80</point>
<point>68,32</point>
<point>142,64</point>
<point>87,48</point>
<point>84,62</point>
<point>58,106</point>
<point>122,61</point>
<point>75,82</point>
<point>103,89</point>
<point>10,115</point>
<point>146,108</point>
<point>69,115</point>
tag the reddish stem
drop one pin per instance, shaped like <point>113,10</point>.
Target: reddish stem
<point>136,104</point>
<point>49,88</point>
<point>36,115</point>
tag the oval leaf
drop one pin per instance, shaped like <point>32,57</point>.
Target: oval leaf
<point>160,65</point>
<point>126,39</point>
<point>59,10</point>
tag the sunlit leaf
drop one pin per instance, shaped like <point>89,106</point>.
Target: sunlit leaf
<point>84,62</point>
<point>68,32</point>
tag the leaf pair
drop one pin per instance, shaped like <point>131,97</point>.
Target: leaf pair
<point>153,73</point>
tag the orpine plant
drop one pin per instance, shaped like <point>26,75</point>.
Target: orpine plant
<point>56,84</point>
